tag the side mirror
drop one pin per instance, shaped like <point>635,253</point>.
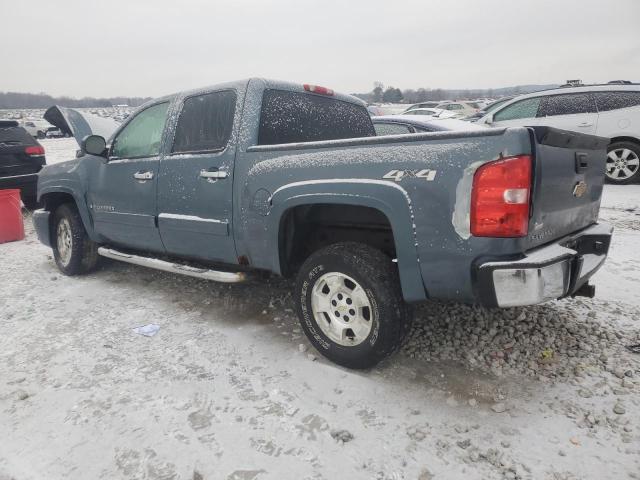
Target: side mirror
<point>488,119</point>
<point>94,145</point>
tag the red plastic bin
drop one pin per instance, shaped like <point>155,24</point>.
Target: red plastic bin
<point>11,226</point>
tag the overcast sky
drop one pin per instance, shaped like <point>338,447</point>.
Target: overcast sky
<point>153,47</point>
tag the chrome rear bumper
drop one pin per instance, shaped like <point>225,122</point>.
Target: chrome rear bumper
<point>546,273</point>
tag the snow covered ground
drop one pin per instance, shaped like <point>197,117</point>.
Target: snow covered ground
<point>230,389</point>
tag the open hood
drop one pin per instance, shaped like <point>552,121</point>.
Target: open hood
<point>80,124</point>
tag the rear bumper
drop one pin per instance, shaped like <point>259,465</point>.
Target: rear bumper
<point>26,183</point>
<point>41,226</point>
<point>546,273</point>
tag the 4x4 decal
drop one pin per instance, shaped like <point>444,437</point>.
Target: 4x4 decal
<point>398,175</point>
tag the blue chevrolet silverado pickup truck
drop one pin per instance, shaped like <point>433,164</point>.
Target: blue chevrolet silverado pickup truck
<point>261,175</point>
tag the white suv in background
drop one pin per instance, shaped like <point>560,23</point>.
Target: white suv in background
<point>611,110</point>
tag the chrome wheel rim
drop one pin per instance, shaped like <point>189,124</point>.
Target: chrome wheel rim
<point>64,241</point>
<point>342,309</point>
<point>622,163</point>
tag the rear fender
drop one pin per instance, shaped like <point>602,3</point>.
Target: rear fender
<point>390,199</point>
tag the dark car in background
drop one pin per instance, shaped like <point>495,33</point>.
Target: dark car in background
<point>21,158</point>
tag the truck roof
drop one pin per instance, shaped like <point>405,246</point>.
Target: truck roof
<point>268,83</point>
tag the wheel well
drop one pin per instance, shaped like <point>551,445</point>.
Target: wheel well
<point>53,200</point>
<point>307,228</point>
<point>625,139</point>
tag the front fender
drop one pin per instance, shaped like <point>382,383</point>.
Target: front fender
<point>69,187</point>
<point>390,199</point>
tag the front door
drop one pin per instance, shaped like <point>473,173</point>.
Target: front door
<point>196,180</point>
<point>122,192</point>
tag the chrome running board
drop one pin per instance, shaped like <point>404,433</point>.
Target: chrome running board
<point>216,276</point>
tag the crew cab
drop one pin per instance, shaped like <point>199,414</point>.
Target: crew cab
<point>267,176</point>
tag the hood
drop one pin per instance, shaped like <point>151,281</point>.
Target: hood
<point>80,124</point>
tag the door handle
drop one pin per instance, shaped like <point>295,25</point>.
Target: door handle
<point>585,124</point>
<point>212,175</point>
<point>143,176</point>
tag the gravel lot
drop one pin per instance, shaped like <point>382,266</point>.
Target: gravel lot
<point>230,389</point>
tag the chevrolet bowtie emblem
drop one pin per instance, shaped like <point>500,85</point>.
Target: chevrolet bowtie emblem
<point>579,189</point>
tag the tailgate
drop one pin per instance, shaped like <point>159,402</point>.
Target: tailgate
<point>568,182</point>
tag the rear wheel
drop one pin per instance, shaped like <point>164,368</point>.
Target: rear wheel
<point>350,305</point>
<point>623,163</point>
<point>74,252</point>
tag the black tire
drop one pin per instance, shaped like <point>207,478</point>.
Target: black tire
<point>40,135</point>
<point>83,256</point>
<point>378,276</point>
<point>611,170</point>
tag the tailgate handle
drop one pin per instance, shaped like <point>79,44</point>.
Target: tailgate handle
<point>581,162</point>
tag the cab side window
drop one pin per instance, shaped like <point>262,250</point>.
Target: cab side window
<point>527,108</point>
<point>142,135</point>
<point>205,123</point>
<point>570,104</point>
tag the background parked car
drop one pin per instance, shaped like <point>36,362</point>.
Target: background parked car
<point>55,132</point>
<point>459,109</point>
<point>432,104</point>
<point>386,109</point>
<point>35,128</point>
<point>21,158</point>
<point>490,107</point>
<point>429,112</point>
<point>611,110</point>
<point>403,124</point>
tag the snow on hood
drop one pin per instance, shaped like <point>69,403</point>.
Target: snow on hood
<point>80,124</point>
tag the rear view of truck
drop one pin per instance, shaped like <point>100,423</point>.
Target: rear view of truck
<point>547,203</point>
<point>21,158</point>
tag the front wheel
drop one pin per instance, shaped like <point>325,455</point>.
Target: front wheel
<point>350,304</point>
<point>74,252</point>
<point>623,163</point>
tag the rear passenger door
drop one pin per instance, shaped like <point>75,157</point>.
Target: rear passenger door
<point>574,111</point>
<point>196,178</point>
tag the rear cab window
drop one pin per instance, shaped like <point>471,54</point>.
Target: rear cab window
<point>205,123</point>
<point>293,117</point>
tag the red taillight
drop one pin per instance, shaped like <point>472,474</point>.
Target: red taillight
<point>317,89</point>
<point>34,151</point>
<point>500,198</point>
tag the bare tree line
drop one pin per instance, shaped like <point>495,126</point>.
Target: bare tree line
<point>390,94</point>
<point>42,100</point>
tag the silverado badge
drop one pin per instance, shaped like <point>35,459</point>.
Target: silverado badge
<point>579,189</point>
